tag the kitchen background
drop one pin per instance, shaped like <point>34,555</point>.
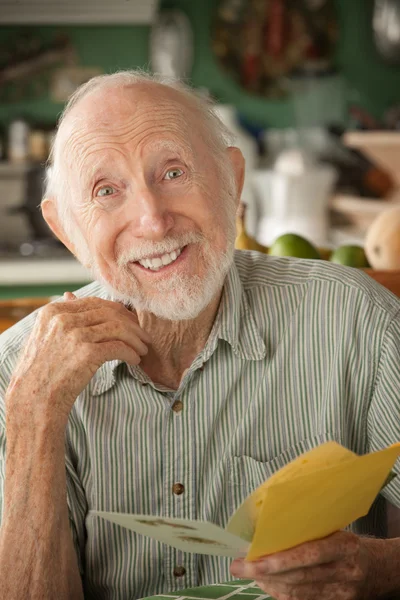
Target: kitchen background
<point>311,88</point>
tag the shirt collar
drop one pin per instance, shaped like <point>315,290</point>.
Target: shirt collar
<point>235,323</point>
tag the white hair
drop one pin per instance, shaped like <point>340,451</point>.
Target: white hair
<point>218,138</point>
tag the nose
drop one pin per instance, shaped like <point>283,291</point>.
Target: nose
<point>152,217</point>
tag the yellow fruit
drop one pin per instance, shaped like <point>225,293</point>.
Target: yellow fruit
<point>292,244</point>
<point>351,256</point>
<point>243,240</point>
<point>382,242</point>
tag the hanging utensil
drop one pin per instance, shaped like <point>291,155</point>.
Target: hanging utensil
<point>386,27</point>
<point>171,45</point>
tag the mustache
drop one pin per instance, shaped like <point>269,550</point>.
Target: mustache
<point>146,248</point>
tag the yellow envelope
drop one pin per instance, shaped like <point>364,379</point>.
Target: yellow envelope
<point>317,494</point>
<point>243,521</point>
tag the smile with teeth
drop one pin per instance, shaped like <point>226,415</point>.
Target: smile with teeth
<point>155,264</point>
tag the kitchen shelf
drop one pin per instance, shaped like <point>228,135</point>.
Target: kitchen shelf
<point>41,271</point>
<point>382,147</point>
<point>14,169</point>
<point>77,12</point>
<point>358,213</point>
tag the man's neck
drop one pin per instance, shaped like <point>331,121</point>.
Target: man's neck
<point>175,344</point>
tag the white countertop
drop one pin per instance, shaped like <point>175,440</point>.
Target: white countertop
<point>32,271</point>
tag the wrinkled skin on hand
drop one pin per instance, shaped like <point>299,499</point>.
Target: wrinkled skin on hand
<point>69,342</point>
<point>334,568</point>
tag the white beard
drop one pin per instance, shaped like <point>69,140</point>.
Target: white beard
<point>178,297</point>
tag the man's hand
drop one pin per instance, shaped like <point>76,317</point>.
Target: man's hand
<point>69,342</point>
<point>335,568</point>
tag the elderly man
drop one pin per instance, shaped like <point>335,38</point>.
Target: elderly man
<point>186,374</point>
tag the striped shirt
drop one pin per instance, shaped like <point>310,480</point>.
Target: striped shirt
<point>301,352</point>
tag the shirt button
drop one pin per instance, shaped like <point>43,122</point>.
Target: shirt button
<point>178,489</point>
<point>177,406</point>
<point>179,571</point>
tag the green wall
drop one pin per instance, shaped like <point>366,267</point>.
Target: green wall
<point>372,83</point>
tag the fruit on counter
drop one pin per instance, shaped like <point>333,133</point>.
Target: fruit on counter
<point>243,240</point>
<point>291,244</point>
<point>351,256</point>
<point>382,242</point>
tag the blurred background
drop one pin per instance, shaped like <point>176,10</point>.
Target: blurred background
<point>310,88</point>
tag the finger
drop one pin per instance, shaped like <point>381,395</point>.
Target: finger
<point>69,296</point>
<point>79,305</point>
<point>113,350</point>
<point>329,573</point>
<point>121,323</point>
<point>330,549</point>
<point>84,304</point>
<point>330,591</point>
<point>114,326</point>
<point>87,305</point>
<point>113,331</point>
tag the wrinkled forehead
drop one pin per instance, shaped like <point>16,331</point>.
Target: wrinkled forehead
<point>140,119</point>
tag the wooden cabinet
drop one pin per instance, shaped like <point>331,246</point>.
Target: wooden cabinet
<point>389,279</point>
<point>12,311</point>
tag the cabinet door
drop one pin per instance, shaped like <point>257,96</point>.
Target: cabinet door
<point>12,311</point>
<point>389,279</point>
<point>46,12</point>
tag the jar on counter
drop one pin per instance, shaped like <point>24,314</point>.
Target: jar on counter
<point>18,141</point>
<point>2,144</point>
<point>38,145</point>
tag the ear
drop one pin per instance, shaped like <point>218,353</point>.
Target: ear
<point>238,165</point>
<point>50,215</point>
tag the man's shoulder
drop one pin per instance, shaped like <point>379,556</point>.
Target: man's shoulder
<point>13,339</point>
<point>260,272</point>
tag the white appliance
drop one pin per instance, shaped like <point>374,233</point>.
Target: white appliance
<point>294,198</point>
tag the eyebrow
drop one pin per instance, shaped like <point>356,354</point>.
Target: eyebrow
<point>100,169</point>
<point>183,148</point>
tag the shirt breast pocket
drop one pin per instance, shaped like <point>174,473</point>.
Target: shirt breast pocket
<point>245,473</point>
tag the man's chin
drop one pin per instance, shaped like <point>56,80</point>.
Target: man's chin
<point>183,305</point>
<point>180,298</point>
<point>172,308</point>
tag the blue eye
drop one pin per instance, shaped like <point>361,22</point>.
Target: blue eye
<point>106,190</point>
<point>173,174</point>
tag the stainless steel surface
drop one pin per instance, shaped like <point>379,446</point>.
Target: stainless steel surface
<point>21,189</point>
<point>386,27</point>
<point>14,226</point>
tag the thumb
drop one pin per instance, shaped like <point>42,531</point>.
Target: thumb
<point>69,296</point>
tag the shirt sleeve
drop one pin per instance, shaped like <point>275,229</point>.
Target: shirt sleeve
<point>75,494</point>
<point>6,368</point>
<point>2,469</point>
<point>77,509</point>
<point>384,410</point>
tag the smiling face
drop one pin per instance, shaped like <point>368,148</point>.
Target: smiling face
<point>150,199</point>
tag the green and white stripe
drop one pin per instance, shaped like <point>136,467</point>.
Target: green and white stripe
<point>301,352</point>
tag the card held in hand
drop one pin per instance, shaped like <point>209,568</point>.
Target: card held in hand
<point>318,493</point>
